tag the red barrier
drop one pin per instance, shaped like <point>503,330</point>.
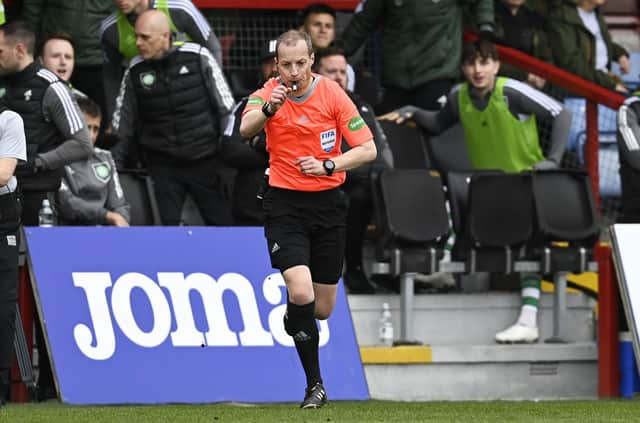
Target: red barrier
<point>608,347</point>
<point>19,392</point>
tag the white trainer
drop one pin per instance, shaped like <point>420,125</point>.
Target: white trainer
<point>518,334</point>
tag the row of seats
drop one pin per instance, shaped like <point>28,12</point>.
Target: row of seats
<point>497,218</point>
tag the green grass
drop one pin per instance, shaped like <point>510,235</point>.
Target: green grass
<point>367,411</point>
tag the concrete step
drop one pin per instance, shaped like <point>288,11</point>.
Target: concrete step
<point>468,319</point>
<point>485,372</point>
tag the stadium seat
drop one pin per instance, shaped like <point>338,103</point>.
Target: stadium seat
<point>138,190</point>
<point>566,222</point>
<point>457,187</point>
<point>500,220</point>
<point>416,217</point>
<point>448,151</point>
<point>407,146</point>
<point>417,228</point>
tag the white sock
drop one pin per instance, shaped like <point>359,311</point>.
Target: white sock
<point>528,316</point>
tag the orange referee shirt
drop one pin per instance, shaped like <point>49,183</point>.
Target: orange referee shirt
<point>310,125</point>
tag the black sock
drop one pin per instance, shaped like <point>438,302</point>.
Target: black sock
<point>300,323</point>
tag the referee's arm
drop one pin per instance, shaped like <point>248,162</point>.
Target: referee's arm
<point>356,156</point>
<point>252,123</point>
<point>254,120</point>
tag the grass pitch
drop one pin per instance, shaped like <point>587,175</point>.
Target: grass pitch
<point>338,411</point>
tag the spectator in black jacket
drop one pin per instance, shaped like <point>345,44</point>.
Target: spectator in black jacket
<point>118,38</point>
<point>174,102</point>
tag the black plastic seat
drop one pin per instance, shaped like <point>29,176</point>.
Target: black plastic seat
<point>457,184</point>
<point>447,151</point>
<point>500,220</point>
<point>407,146</point>
<point>138,190</point>
<point>415,213</point>
<point>567,224</point>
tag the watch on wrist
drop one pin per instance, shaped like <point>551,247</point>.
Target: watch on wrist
<point>266,110</point>
<point>329,166</point>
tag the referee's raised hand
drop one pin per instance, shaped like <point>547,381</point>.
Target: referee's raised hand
<point>278,97</point>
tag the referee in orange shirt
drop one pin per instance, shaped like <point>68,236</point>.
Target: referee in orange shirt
<point>305,116</point>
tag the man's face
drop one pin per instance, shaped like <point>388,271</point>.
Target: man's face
<point>321,29</point>
<point>268,69</point>
<point>93,124</point>
<point>334,68</point>
<point>151,43</point>
<point>126,6</point>
<point>481,73</point>
<point>294,64</point>
<point>58,57</point>
<point>9,61</point>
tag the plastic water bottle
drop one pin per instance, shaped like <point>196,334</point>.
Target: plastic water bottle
<point>45,216</point>
<point>386,326</point>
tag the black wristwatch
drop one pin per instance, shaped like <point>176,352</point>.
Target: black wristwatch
<point>265,109</point>
<point>329,166</point>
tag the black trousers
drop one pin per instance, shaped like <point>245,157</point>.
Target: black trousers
<point>209,181</point>
<point>358,190</point>
<point>10,210</point>
<point>424,96</point>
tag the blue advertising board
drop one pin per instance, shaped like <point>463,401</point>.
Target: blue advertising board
<point>176,315</point>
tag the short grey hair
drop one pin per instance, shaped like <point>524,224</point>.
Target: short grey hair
<point>291,38</point>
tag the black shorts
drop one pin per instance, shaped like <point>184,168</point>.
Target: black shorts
<point>306,228</point>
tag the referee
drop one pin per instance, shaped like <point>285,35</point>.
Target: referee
<point>305,116</point>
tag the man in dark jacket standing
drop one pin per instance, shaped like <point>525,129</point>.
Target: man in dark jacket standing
<point>175,101</point>
<point>421,46</point>
<point>118,38</point>
<point>55,130</point>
